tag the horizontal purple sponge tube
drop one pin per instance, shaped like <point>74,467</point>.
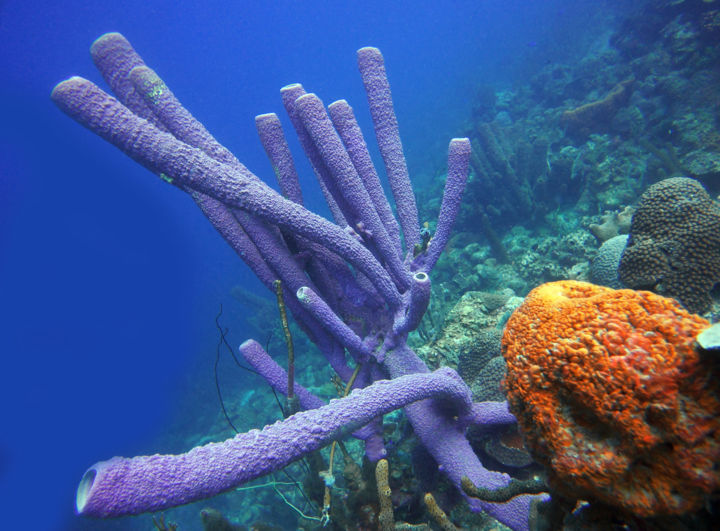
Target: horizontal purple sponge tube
<point>124,486</point>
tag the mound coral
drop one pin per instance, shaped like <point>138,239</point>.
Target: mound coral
<point>613,398</point>
<point>674,244</point>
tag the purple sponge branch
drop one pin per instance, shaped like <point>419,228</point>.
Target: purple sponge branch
<point>419,299</point>
<point>273,140</point>
<point>114,57</point>
<point>260,250</point>
<point>290,94</point>
<point>347,127</point>
<point>123,486</point>
<point>490,415</point>
<point>372,70</point>
<point>226,224</point>
<point>276,376</point>
<point>144,93</point>
<point>333,324</point>
<point>184,166</point>
<point>458,161</point>
<point>348,284</point>
<point>349,185</point>
<point>444,438</point>
<point>178,121</point>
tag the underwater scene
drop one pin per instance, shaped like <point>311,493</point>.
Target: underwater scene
<point>360,266</point>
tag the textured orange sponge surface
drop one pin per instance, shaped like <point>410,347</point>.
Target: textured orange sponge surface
<point>612,397</point>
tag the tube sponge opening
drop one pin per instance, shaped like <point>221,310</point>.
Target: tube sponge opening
<point>83,491</point>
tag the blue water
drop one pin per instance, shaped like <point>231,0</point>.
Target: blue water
<point>109,278</point>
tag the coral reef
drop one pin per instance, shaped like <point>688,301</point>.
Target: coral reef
<point>487,346</point>
<point>487,383</point>
<point>214,520</point>
<point>470,342</point>
<point>595,116</point>
<point>548,186</point>
<point>386,519</point>
<point>604,267</point>
<point>613,398</point>
<point>674,243</point>
<point>526,167</point>
<point>442,519</point>
<point>612,224</point>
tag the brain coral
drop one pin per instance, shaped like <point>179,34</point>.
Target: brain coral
<point>613,399</point>
<point>604,267</point>
<point>486,345</point>
<point>674,244</point>
<point>487,386</point>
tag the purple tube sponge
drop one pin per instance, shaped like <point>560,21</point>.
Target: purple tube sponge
<point>273,140</point>
<point>458,161</point>
<point>419,299</point>
<point>377,87</point>
<point>359,284</point>
<point>123,486</point>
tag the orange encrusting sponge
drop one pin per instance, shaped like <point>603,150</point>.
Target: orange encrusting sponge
<point>613,398</point>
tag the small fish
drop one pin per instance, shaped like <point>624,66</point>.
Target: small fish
<point>709,339</point>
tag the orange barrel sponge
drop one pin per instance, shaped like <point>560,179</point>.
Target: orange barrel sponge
<point>613,398</point>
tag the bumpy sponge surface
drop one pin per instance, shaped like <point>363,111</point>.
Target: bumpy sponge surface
<point>612,397</point>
